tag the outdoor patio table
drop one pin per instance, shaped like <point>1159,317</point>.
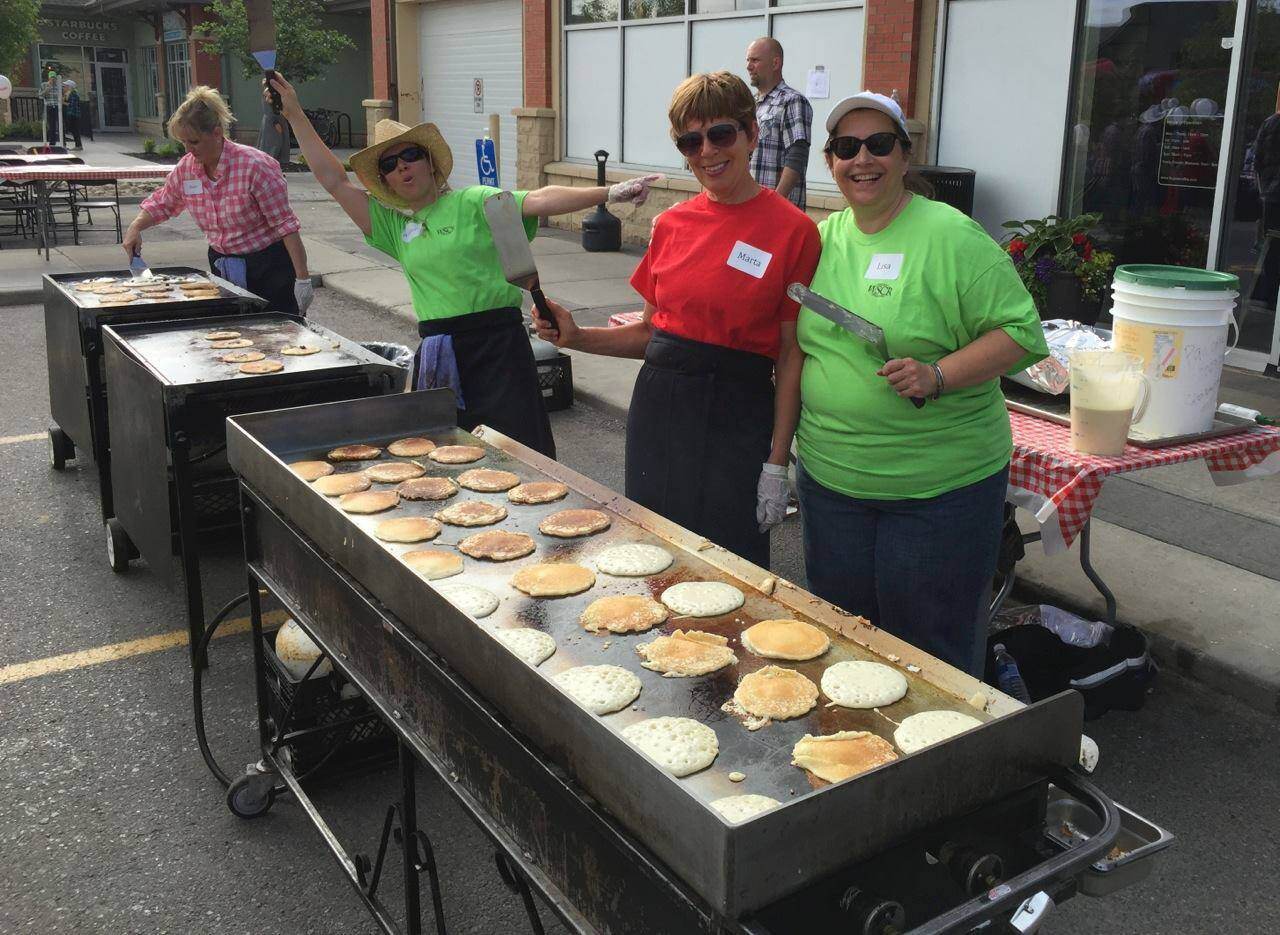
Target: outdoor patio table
<point>41,175</point>
<point>1060,486</point>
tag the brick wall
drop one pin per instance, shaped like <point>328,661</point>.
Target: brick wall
<point>537,53</point>
<point>893,49</point>
<point>206,68</point>
<point>380,48</point>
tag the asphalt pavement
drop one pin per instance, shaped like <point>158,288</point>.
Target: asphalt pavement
<point>111,824</point>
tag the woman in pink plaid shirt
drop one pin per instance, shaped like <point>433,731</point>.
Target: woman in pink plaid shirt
<point>237,196</point>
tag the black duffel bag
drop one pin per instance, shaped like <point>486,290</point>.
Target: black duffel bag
<point>1116,674</point>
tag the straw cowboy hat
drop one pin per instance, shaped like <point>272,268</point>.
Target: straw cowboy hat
<point>388,133</point>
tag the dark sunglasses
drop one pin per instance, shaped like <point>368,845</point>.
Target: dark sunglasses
<point>720,135</point>
<point>878,144</point>
<point>387,164</point>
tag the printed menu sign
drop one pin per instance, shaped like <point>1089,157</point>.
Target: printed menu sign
<point>1189,151</point>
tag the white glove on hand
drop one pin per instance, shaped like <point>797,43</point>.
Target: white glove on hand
<point>303,294</point>
<point>632,190</point>
<point>772,493</point>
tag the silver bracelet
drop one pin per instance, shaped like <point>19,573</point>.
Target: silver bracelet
<point>939,380</point>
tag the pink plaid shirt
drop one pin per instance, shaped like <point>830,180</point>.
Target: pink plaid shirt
<point>245,209</point>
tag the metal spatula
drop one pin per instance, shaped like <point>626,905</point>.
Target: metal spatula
<point>262,42</point>
<point>138,267</point>
<point>507,227</point>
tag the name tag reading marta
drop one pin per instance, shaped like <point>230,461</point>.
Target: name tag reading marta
<point>748,259</point>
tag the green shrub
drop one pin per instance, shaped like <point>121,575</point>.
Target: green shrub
<point>29,130</point>
<point>170,148</point>
<point>148,145</point>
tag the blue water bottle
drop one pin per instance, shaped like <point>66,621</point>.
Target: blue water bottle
<point>1008,677</point>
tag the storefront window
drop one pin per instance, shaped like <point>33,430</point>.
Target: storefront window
<point>651,9</point>
<point>67,60</point>
<point>148,79</point>
<point>591,11</point>
<point>1145,134</point>
<point>178,71</point>
<point>725,6</point>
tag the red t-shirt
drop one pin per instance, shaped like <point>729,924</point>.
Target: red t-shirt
<point>718,273</point>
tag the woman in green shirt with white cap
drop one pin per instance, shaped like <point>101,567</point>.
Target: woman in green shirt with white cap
<point>474,341</point>
<point>903,506</point>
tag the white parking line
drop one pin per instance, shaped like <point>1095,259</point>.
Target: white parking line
<point>14,439</point>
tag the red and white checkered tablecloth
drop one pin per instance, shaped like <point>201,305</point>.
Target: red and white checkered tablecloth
<point>83,173</point>
<point>1060,486</point>
<point>618,319</point>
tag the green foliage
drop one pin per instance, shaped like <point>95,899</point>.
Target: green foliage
<point>304,49</point>
<point>169,148</point>
<point>29,130</point>
<point>148,145</point>
<point>17,31</point>
<point>1040,248</point>
<point>1053,232</point>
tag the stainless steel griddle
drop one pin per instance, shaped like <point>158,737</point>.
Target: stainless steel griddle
<point>734,868</point>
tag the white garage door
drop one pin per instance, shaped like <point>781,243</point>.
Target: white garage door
<point>462,40</point>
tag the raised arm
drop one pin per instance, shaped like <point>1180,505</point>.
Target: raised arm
<point>562,199</point>
<point>324,165</point>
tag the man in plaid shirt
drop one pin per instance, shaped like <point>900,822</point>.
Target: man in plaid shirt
<point>786,121</point>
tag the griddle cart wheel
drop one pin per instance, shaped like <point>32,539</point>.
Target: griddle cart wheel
<point>120,548</point>
<point>61,448</point>
<point>252,795</point>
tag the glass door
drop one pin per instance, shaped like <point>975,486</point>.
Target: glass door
<point>1250,237</point>
<point>113,97</point>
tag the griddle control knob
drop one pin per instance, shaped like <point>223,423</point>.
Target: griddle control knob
<point>870,914</point>
<point>974,871</point>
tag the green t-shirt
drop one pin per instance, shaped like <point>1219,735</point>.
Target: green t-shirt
<point>938,283</point>
<point>447,253</point>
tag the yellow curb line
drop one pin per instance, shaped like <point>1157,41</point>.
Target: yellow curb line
<point>14,439</point>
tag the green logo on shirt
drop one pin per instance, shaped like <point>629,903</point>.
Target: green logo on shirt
<point>444,230</point>
<point>880,290</point>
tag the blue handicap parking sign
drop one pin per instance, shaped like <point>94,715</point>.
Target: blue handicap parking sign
<point>487,162</point>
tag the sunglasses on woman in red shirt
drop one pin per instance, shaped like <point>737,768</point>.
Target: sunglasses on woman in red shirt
<point>720,135</point>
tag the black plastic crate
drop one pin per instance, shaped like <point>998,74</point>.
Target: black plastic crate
<point>317,702</point>
<point>555,380</point>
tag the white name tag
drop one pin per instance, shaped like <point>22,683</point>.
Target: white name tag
<point>748,259</point>
<point>192,187</point>
<point>884,266</point>
<point>410,231</point>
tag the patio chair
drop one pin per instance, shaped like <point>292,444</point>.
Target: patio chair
<point>17,210</point>
<point>82,200</point>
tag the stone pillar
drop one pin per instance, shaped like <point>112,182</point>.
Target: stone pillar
<point>535,145</point>
<point>206,67</point>
<point>893,49</point>
<point>375,109</point>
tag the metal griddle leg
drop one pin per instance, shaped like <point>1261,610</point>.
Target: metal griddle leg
<point>515,881</point>
<point>418,853</point>
<point>190,556</point>
<point>1087,566</point>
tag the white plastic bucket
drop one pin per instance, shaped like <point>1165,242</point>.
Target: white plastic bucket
<point>1177,320</point>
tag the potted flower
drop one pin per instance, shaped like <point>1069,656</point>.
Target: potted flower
<point>1061,267</point>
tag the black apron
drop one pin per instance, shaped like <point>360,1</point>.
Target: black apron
<point>698,432</point>
<point>269,275</point>
<point>498,373</point>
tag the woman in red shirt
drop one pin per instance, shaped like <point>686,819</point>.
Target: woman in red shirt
<point>707,437</point>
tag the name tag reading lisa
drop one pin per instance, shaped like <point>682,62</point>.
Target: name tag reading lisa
<point>748,259</point>
<point>884,266</point>
<point>192,187</point>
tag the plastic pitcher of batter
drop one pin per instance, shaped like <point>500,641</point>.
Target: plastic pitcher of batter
<point>1109,392</point>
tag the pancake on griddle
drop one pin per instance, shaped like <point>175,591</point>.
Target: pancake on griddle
<point>433,563</point>
<point>738,808</point>
<point>394,472</point>
<point>334,485</point>
<point>623,613</point>
<point>776,693</point>
<point>702,598</point>
<point>216,335</point>
<point>538,491</point>
<point>411,447</point>
<point>929,727</point>
<point>555,579</point>
<point>633,559</point>
<point>407,529</point>
<point>299,350</point>
<point>568,524</point>
<point>230,344</point>
<point>487,480</point>
<point>472,513</point>
<point>680,745</point>
<point>785,639</point>
<point>838,756</point>
<point>600,689</point>
<point>355,453</point>
<point>863,684</point>
<point>533,646</point>
<point>686,653</point>
<point>368,501</point>
<point>471,599</point>
<point>497,545</point>
<point>456,454</point>
<point>262,366</point>
<point>427,488</point>
<point>311,470</point>
<point>242,357</point>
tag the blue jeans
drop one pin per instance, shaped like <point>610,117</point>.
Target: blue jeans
<point>919,569</point>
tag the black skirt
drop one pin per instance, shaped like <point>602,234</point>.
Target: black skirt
<point>498,373</point>
<point>699,430</point>
<point>269,275</point>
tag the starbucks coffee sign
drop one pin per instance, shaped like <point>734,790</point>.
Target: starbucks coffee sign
<point>93,31</point>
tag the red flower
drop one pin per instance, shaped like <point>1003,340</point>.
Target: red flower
<point>1088,252</point>
<point>1079,239</point>
<point>1017,246</point>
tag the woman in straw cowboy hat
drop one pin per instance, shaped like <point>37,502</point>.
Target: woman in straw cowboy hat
<point>468,314</point>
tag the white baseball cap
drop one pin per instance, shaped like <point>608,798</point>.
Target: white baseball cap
<point>68,83</point>
<point>868,100</point>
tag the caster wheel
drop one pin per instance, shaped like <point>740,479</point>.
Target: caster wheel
<point>252,795</point>
<point>119,547</point>
<point>61,448</point>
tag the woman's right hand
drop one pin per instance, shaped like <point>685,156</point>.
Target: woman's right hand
<point>562,332</point>
<point>289,106</point>
<point>132,242</point>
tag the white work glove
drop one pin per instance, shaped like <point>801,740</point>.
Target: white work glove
<point>634,190</point>
<point>303,294</point>
<point>772,493</point>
